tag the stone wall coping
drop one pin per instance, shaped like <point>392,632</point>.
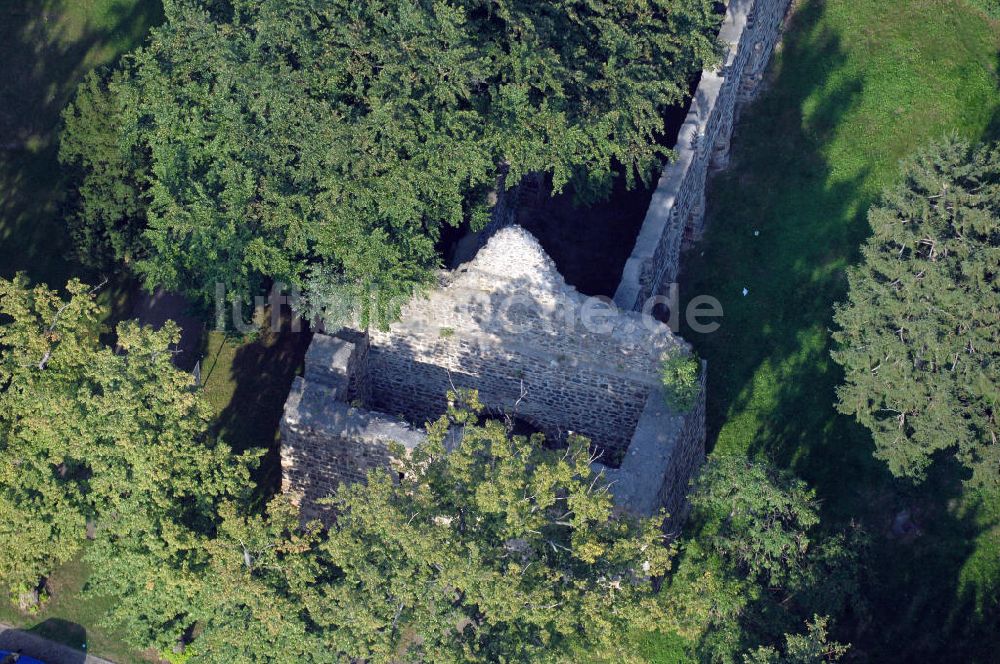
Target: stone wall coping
<point>664,207</point>
<point>636,483</point>
<point>734,23</point>
<point>312,406</point>
<point>628,325</point>
<point>328,361</point>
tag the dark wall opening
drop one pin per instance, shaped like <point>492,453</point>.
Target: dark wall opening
<point>590,243</point>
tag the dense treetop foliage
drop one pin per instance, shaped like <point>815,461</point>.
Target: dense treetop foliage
<point>500,550</point>
<point>813,647</point>
<point>754,566</point>
<point>91,433</point>
<point>251,140</point>
<point>920,332</point>
<point>680,374</point>
<point>480,545</point>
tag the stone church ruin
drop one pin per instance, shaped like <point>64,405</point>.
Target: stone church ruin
<point>507,324</point>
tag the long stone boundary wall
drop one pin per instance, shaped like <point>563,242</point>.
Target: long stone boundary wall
<point>676,214</point>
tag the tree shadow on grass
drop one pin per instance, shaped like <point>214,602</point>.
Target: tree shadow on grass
<point>54,641</point>
<point>783,228</point>
<point>784,224</point>
<point>47,46</point>
<point>262,372</point>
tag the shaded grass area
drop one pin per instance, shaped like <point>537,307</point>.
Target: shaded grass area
<point>69,620</point>
<point>859,85</point>
<point>246,380</point>
<point>46,47</point>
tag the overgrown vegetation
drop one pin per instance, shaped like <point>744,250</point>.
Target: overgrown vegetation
<point>114,437</point>
<point>680,373</point>
<point>461,556</point>
<point>278,140</point>
<point>754,565</point>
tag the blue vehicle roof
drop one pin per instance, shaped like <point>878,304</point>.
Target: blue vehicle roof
<point>23,659</point>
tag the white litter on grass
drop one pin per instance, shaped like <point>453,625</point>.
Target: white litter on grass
<point>746,291</point>
<point>756,233</point>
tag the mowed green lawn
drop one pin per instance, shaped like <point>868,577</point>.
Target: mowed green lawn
<point>46,47</point>
<point>858,85</point>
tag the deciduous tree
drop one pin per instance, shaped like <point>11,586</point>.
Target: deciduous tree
<point>500,550</point>
<point>116,436</point>
<point>813,647</point>
<point>753,564</point>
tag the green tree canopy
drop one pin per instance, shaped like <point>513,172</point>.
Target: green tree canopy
<point>813,647</point>
<point>252,139</point>
<point>754,515</point>
<point>87,432</point>
<point>919,335</point>
<point>753,565</point>
<point>500,550</point>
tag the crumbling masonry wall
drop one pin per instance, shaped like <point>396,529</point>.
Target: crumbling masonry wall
<point>666,450</point>
<point>326,438</point>
<point>676,215</point>
<point>507,325</point>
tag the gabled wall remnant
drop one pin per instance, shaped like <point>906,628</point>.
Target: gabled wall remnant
<point>507,325</point>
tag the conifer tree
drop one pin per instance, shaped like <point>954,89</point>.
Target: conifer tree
<point>919,335</point>
<point>254,140</point>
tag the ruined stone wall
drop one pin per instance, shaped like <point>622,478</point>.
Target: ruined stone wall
<point>340,363</point>
<point>507,325</point>
<point>685,456</point>
<point>557,395</point>
<point>325,441</point>
<point>676,214</point>
<point>666,449</point>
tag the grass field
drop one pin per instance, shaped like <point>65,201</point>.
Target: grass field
<point>68,619</point>
<point>46,47</point>
<point>247,382</point>
<point>859,84</point>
